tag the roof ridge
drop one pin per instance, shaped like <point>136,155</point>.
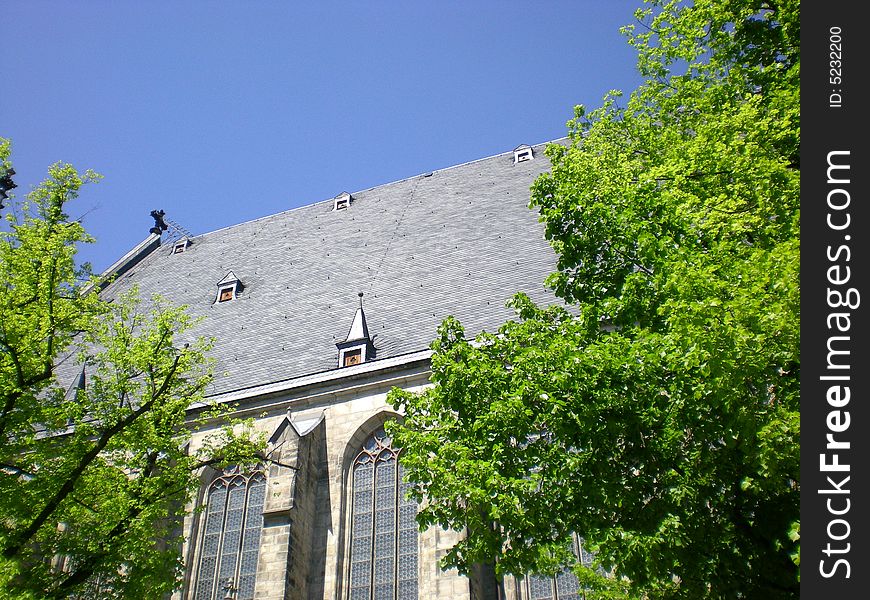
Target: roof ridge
<point>380,185</point>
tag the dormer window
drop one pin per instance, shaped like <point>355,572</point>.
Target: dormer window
<point>342,201</point>
<point>522,153</point>
<point>180,246</point>
<point>228,288</point>
<point>227,293</point>
<point>352,357</point>
<point>354,352</point>
<point>357,347</point>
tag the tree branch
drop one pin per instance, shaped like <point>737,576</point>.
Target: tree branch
<point>18,540</point>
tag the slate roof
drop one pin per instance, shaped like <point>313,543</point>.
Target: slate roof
<point>458,241</point>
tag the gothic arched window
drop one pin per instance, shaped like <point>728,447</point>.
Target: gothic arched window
<point>383,538</point>
<point>231,537</point>
<point>563,586</point>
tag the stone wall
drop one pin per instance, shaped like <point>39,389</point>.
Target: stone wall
<point>315,435</point>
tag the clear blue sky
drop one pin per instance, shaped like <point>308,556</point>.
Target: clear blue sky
<point>222,112</point>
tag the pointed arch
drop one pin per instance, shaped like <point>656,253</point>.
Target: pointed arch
<point>372,424</point>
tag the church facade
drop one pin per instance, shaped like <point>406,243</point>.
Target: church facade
<point>317,312</point>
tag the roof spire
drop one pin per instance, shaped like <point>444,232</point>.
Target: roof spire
<point>357,347</point>
<point>359,328</point>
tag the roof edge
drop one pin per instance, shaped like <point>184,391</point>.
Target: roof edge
<point>286,385</point>
<point>125,263</point>
<point>374,187</point>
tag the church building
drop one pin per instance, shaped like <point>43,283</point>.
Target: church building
<point>317,312</point>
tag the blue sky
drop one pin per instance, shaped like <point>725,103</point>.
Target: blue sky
<point>222,112</point>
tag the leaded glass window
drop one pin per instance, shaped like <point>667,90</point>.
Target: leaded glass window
<point>383,537</point>
<point>231,537</point>
<point>563,586</point>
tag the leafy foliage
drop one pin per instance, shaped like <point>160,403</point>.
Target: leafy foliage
<point>93,478</point>
<point>657,414</point>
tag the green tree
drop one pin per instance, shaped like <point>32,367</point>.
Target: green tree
<point>93,478</point>
<point>657,414</point>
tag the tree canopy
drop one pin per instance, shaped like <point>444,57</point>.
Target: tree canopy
<point>94,470</point>
<point>655,413</point>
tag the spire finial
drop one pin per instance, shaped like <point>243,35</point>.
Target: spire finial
<point>360,294</point>
<point>159,223</point>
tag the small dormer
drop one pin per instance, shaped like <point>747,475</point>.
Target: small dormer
<point>181,245</point>
<point>342,201</point>
<point>228,288</point>
<point>357,347</point>
<point>77,385</point>
<point>522,153</point>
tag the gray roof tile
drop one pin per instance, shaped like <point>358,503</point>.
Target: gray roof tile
<point>458,242</point>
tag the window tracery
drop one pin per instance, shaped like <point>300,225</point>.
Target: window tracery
<point>231,536</point>
<point>384,540</point>
<point>563,586</point>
